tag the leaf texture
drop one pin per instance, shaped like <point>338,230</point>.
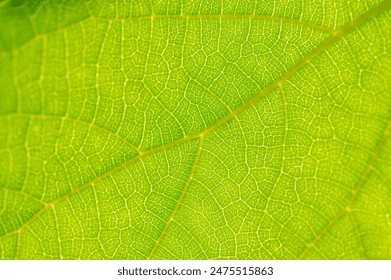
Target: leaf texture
<point>195,129</point>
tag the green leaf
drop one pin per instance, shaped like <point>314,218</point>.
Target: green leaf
<point>195,129</point>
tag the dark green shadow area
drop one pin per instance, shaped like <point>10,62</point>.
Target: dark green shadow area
<point>23,20</point>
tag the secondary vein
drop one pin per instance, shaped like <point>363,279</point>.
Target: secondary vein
<point>184,191</point>
<point>348,207</point>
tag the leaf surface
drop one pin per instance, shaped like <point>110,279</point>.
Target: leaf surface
<point>195,130</point>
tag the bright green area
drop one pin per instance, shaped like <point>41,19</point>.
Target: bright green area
<point>195,129</point>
